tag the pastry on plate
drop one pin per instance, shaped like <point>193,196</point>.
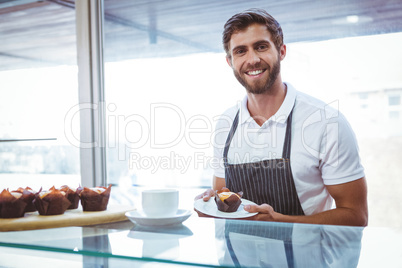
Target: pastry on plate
<point>227,201</point>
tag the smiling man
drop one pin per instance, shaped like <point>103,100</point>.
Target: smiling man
<point>289,153</point>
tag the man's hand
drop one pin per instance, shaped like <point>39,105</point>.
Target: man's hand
<point>265,212</point>
<point>351,207</point>
<point>217,184</point>
<point>205,195</point>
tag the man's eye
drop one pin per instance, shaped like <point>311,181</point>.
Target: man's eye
<point>239,51</point>
<point>262,47</point>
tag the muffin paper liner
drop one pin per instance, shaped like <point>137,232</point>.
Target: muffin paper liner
<point>94,201</point>
<point>10,206</point>
<point>54,203</point>
<point>72,196</point>
<point>28,196</point>
<point>230,204</point>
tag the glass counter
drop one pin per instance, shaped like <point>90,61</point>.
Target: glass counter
<point>204,242</point>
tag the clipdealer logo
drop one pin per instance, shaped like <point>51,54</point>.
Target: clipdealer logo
<point>135,136</point>
<point>135,131</point>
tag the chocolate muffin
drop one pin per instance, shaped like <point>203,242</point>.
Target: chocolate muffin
<point>51,202</point>
<point>72,194</point>
<point>227,201</point>
<point>11,204</point>
<point>95,199</point>
<point>28,195</point>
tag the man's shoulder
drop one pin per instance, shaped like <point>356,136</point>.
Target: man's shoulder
<point>308,101</point>
<point>228,116</point>
<point>308,105</point>
<point>231,112</point>
<point>304,101</point>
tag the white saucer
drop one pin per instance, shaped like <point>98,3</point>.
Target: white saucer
<point>211,209</point>
<point>137,216</point>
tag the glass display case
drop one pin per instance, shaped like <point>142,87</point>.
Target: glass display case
<point>203,242</point>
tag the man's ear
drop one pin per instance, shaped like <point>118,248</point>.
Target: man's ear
<point>229,61</point>
<point>282,52</point>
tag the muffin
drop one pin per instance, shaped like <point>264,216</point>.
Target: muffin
<point>28,195</point>
<point>95,199</point>
<point>227,201</point>
<point>72,194</point>
<point>12,204</point>
<point>51,202</point>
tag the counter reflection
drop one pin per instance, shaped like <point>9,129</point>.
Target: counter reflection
<point>288,245</point>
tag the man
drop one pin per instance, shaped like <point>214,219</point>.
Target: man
<point>289,153</point>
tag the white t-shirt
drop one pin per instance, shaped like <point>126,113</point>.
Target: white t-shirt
<point>324,149</point>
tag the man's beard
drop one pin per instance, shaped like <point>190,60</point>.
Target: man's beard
<point>261,88</point>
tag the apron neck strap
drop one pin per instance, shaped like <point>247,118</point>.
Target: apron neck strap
<point>288,137</point>
<point>230,137</point>
<point>286,144</point>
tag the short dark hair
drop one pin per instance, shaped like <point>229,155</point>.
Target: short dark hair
<point>242,20</point>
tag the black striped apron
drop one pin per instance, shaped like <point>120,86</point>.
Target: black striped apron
<point>268,181</point>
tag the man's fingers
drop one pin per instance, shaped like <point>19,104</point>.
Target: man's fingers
<point>198,197</point>
<point>206,198</point>
<point>264,208</point>
<point>251,208</point>
<point>206,195</point>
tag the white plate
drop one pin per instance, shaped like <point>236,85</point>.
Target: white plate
<point>211,209</point>
<point>137,216</point>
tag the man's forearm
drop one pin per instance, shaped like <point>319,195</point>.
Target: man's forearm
<point>337,216</point>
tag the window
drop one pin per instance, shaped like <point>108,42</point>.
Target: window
<point>38,86</point>
<point>363,95</point>
<point>394,100</point>
<point>166,81</point>
<point>394,115</point>
<point>364,106</point>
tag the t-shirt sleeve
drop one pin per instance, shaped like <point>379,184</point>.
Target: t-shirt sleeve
<point>339,157</point>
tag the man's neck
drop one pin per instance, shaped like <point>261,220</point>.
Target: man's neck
<point>262,106</point>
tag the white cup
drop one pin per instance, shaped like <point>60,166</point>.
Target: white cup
<point>160,203</point>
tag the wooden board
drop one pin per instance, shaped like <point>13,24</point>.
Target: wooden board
<point>74,217</point>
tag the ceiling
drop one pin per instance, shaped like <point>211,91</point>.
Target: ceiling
<point>42,33</point>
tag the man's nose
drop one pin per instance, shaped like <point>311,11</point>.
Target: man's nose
<point>253,58</point>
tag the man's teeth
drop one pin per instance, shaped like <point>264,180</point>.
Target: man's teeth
<point>255,72</point>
